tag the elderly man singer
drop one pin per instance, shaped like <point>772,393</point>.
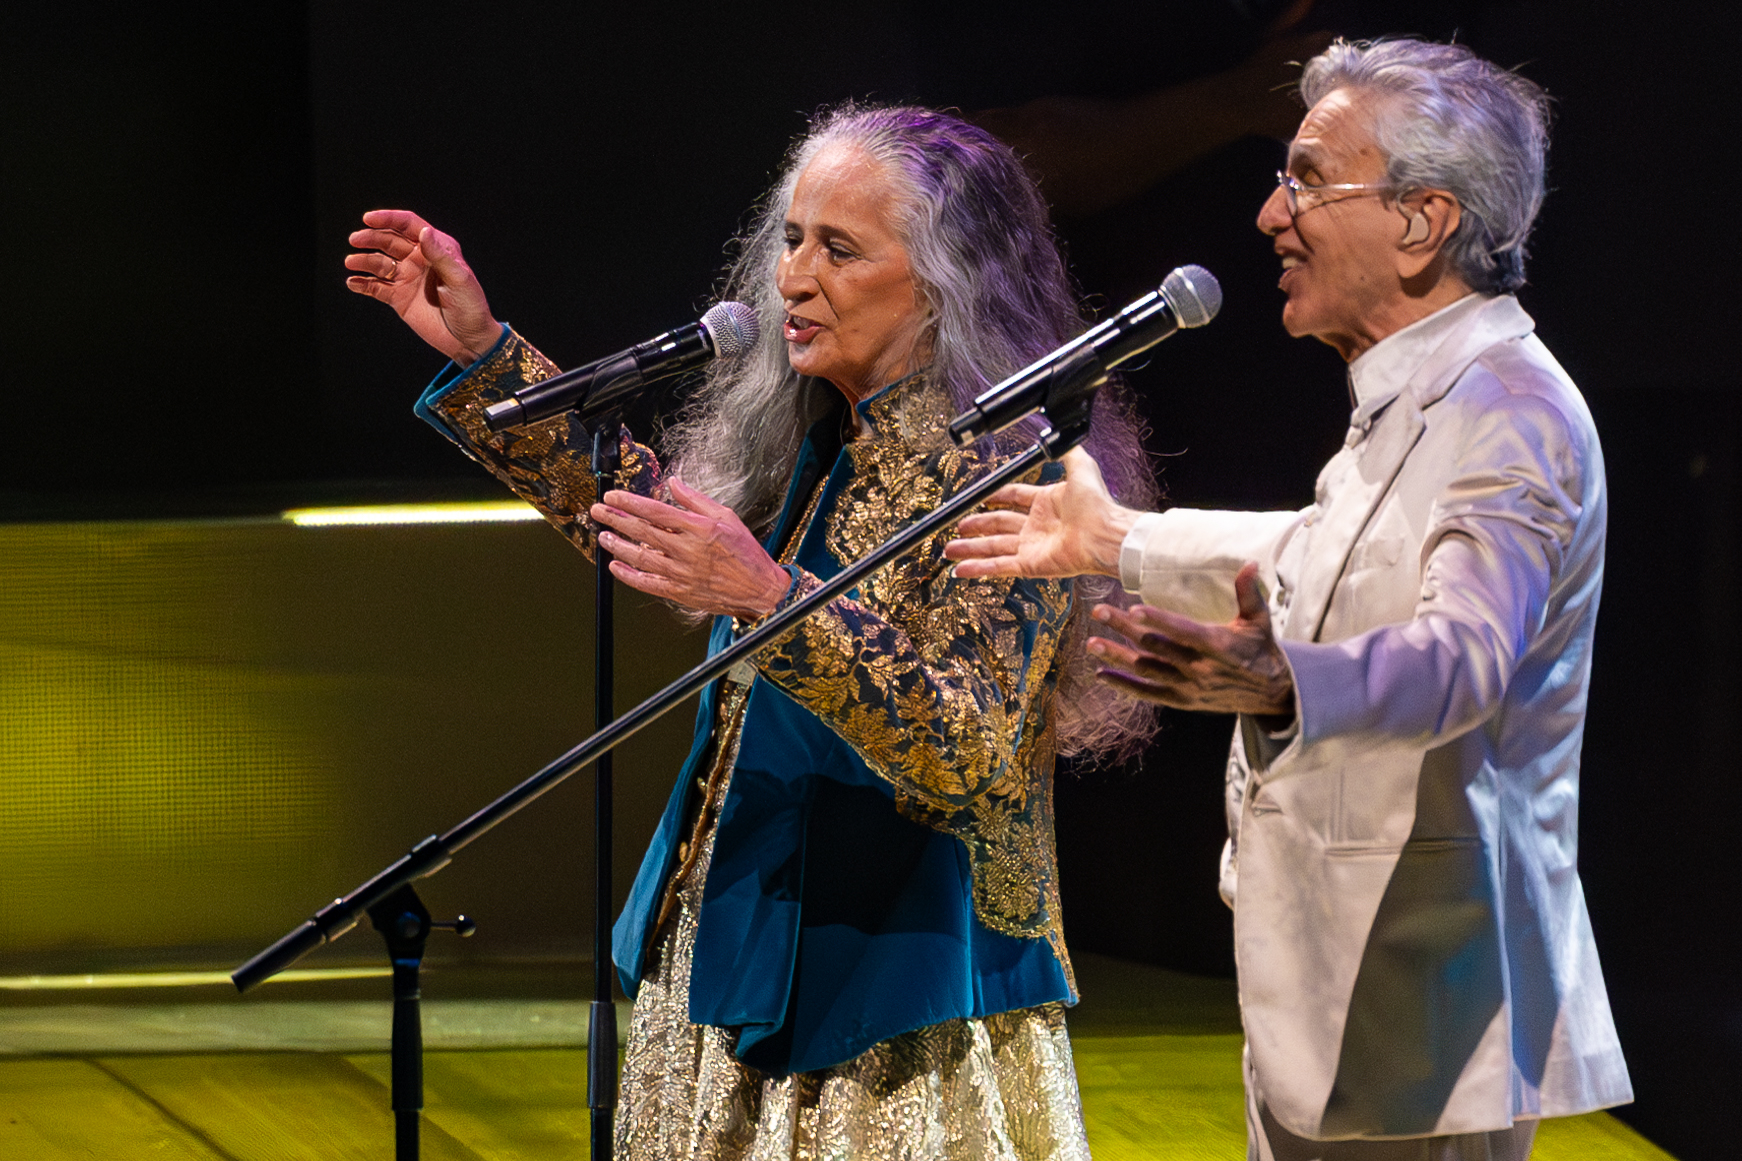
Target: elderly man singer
<point>1409,656</point>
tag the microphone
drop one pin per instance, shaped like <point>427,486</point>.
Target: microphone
<point>727,331</point>
<point>1189,297</point>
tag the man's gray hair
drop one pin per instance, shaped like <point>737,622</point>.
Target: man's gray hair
<point>1458,123</point>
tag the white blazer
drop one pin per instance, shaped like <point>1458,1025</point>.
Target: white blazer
<point>1414,952</point>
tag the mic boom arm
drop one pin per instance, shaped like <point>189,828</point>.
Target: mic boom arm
<point>1189,297</point>
<point>727,331</point>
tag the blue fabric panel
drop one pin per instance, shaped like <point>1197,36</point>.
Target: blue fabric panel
<point>885,933</point>
<point>629,934</point>
<point>1013,973</point>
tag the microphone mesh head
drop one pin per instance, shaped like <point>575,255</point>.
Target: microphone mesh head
<point>733,327</point>
<point>1194,294</point>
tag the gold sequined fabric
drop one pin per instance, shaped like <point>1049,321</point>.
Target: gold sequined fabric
<point>942,685</point>
<point>999,1088</point>
<point>549,464</point>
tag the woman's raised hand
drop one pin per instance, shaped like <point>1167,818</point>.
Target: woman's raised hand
<point>418,271</point>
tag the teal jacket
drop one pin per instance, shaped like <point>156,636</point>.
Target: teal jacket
<point>884,855</point>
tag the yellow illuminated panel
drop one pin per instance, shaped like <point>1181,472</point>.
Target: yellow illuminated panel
<point>456,513</point>
<point>211,728</point>
<point>117,980</point>
<point>160,768</point>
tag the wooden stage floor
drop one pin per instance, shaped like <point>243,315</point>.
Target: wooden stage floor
<point>194,1074</point>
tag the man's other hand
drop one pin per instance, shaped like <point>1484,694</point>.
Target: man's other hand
<point>1179,662</point>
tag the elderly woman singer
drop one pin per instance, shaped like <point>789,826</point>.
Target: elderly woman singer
<point>845,937</point>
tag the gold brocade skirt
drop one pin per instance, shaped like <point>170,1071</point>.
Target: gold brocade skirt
<point>1000,1088</point>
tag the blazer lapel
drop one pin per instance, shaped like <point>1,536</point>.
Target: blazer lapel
<point>1343,516</point>
<point>1393,434</point>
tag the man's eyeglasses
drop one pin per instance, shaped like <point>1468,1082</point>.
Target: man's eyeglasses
<point>1302,197</point>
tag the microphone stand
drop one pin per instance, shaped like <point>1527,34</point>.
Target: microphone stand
<point>1066,407</point>
<point>602,1014</point>
<point>404,923</point>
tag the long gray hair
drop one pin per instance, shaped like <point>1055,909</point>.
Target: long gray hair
<point>996,297</point>
<point>1455,122</point>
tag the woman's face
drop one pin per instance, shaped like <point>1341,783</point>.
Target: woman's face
<point>853,313</point>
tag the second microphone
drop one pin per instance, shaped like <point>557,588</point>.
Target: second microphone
<point>727,331</point>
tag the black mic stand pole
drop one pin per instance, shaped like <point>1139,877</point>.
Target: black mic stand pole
<point>602,1014</point>
<point>404,923</point>
<point>385,896</point>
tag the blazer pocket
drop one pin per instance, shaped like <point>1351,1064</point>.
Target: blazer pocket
<point>1378,552</point>
<point>1414,847</point>
<point>1427,991</point>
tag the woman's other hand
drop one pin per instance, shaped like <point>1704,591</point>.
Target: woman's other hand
<point>692,551</point>
<point>418,271</point>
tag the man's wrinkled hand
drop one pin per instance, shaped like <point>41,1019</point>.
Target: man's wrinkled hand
<point>1178,662</point>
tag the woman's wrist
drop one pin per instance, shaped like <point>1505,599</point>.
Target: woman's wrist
<point>470,352</point>
<point>779,583</point>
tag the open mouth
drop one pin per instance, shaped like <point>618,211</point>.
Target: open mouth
<point>800,330</point>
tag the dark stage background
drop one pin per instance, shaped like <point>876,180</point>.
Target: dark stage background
<point>180,180</point>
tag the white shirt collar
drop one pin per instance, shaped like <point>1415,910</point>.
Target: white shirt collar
<point>1380,372</point>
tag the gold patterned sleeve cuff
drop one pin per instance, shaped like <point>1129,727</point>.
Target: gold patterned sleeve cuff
<point>549,464</point>
<point>794,592</point>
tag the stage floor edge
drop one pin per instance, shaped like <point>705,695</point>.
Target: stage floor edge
<point>1157,1055</point>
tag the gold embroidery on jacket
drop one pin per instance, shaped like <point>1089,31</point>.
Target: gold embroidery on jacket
<point>549,464</point>
<point>1004,1083</point>
<point>931,678</point>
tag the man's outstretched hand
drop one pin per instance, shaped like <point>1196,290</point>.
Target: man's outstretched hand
<point>1072,528</point>
<point>1176,661</point>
